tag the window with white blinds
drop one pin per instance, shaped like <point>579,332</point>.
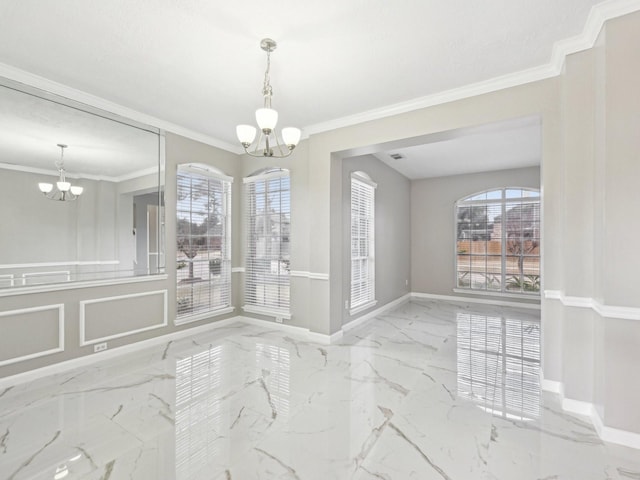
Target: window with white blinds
<point>268,227</point>
<point>362,243</point>
<point>498,241</point>
<point>203,234</point>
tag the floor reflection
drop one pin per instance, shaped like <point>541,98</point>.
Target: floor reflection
<point>498,363</point>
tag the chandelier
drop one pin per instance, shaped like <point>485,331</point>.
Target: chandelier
<point>266,118</point>
<point>64,191</point>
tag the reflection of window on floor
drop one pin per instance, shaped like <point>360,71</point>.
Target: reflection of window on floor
<point>276,361</point>
<point>198,415</point>
<point>499,364</point>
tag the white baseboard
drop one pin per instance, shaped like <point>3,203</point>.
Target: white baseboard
<point>486,301</point>
<point>374,313</point>
<point>551,385</point>
<point>291,329</point>
<point>588,409</point>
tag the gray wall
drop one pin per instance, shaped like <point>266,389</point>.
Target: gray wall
<point>392,231</point>
<point>592,334</point>
<point>433,222</point>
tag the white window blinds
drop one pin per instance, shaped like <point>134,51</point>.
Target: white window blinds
<point>268,226</point>
<point>203,234</point>
<point>362,243</point>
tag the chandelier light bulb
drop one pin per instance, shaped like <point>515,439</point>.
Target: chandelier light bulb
<point>76,190</point>
<point>246,134</point>
<point>266,118</point>
<point>63,186</point>
<point>45,187</point>
<point>291,136</point>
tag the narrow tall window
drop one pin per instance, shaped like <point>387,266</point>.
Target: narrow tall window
<point>268,225</point>
<point>498,241</point>
<point>363,282</point>
<point>203,234</point>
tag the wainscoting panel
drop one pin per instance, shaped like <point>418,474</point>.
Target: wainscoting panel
<point>103,319</point>
<point>31,332</point>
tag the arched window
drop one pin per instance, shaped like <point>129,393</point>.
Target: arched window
<point>363,282</point>
<point>203,234</point>
<point>267,256</point>
<point>498,241</point>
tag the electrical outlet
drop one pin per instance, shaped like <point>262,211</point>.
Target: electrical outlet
<point>279,319</point>
<point>406,282</point>
<point>99,347</point>
<point>346,304</point>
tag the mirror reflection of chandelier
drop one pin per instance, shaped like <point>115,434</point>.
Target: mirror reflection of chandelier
<point>64,191</point>
<point>267,118</point>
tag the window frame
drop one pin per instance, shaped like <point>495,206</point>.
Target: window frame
<point>283,275</point>
<point>225,282</point>
<point>504,200</point>
<point>369,299</point>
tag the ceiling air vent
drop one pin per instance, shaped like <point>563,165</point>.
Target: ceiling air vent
<point>396,156</point>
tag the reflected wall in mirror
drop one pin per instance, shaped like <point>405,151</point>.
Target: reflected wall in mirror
<point>113,229</point>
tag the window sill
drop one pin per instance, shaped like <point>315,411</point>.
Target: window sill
<point>269,312</point>
<point>485,293</point>
<point>362,308</point>
<point>202,316</point>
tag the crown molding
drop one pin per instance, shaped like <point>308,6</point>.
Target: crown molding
<point>598,15</point>
<point>50,86</point>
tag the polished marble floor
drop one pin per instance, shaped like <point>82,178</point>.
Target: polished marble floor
<point>430,390</point>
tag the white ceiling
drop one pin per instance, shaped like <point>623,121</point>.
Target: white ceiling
<point>514,143</point>
<point>197,63</point>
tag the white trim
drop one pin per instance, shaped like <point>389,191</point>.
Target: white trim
<point>606,311</point>
<point>269,312</point>
<point>27,275</point>
<point>237,270</point>
<point>71,93</point>
<point>318,276</point>
<point>294,330</point>
<point>496,294</point>
<point>364,178</point>
<point>607,434</point>
<point>267,176</point>
<point>53,287</point>
<point>363,307</point>
<point>578,406</point>
<point>374,313</point>
<point>552,386</point>
<point>204,171</point>
<point>202,316</point>
<point>83,303</point>
<point>86,360</point>
<point>325,339</point>
<point>310,275</point>
<point>598,15</point>
<point>452,298</point>
<point>81,176</point>
<point>7,276</point>
<point>58,349</point>
<point>58,264</point>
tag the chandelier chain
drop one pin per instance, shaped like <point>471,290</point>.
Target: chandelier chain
<point>267,91</point>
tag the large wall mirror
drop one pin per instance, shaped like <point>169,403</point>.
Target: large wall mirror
<point>81,192</point>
